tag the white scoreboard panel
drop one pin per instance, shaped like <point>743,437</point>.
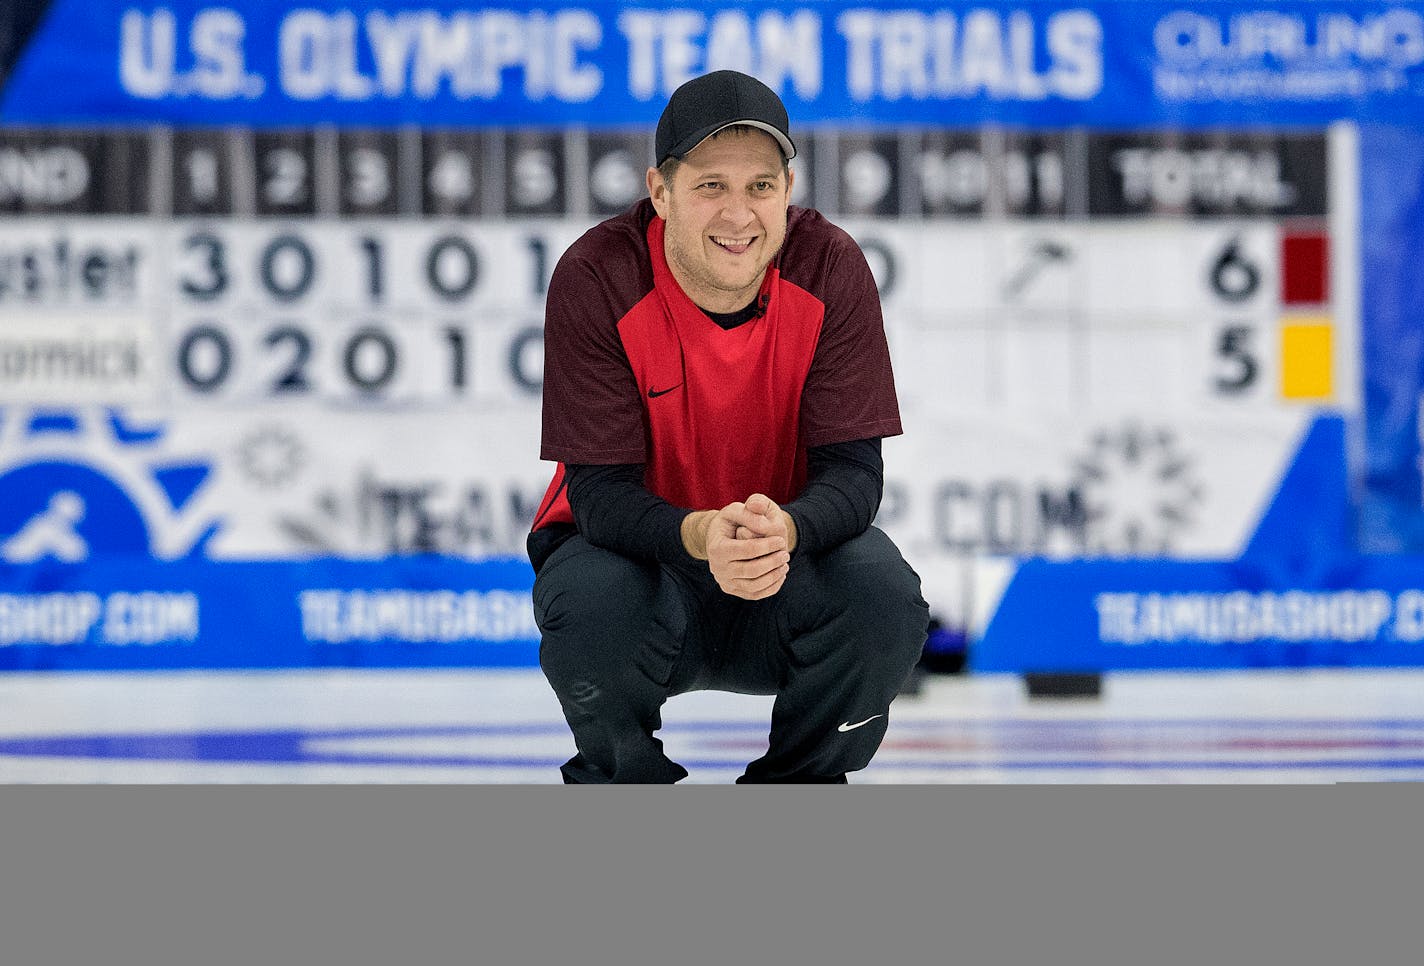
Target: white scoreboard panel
<point>1105,343</point>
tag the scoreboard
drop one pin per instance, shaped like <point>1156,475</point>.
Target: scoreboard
<point>1049,270</point>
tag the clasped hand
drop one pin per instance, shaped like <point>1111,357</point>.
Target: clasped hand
<point>749,547</point>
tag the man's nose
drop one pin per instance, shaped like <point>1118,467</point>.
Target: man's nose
<point>738,210</point>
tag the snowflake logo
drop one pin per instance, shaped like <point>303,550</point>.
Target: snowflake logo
<point>1140,491</point>
<point>271,457</point>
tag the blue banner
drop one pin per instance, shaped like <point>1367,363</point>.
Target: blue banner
<point>1123,615</point>
<point>121,613</point>
<point>444,62</point>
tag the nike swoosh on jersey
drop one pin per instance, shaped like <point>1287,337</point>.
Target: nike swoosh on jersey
<point>847,726</point>
<point>655,393</point>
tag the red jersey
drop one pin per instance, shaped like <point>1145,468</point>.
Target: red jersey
<point>634,372</point>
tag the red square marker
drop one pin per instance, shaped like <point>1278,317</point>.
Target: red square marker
<point>1305,268</point>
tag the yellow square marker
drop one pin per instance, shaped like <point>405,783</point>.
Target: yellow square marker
<point>1308,359</point>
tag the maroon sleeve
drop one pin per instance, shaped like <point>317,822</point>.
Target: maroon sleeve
<point>592,411</point>
<point>850,390</point>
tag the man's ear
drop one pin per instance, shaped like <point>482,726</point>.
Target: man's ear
<point>658,191</point>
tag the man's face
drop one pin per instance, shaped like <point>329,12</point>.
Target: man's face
<point>725,208</point>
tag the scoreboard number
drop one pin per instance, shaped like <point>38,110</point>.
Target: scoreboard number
<point>286,184</point>
<point>205,357</point>
<point>374,251</point>
<point>452,178</point>
<point>452,267</point>
<point>201,167</point>
<point>369,359</point>
<point>287,268</point>
<point>204,276</point>
<point>369,180</point>
<point>1235,346</point>
<point>1233,276</point>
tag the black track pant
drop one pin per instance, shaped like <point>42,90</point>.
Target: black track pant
<point>834,644</point>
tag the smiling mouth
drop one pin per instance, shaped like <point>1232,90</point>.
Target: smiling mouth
<point>734,245</point>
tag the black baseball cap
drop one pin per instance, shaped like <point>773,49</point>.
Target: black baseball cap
<point>705,105</point>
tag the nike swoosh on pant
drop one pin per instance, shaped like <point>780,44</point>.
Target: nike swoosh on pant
<point>847,726</point>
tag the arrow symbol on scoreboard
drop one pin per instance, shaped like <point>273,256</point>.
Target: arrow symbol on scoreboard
<point>1046,252</point>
